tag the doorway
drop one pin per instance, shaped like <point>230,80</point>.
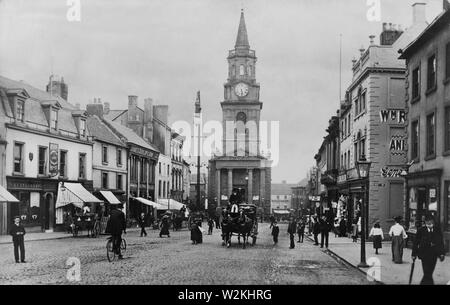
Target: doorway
<point>49,212</point>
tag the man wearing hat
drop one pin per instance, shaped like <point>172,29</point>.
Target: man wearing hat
<point>115,226</point>
<point>428,246</point>
<point>18,232</point>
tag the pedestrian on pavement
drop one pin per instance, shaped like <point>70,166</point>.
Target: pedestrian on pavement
<point>428,246</point>
<point>210,225</point>
<point>164,226</point>
<point>115,226</point>
<point>142,224</point>
<point>355,229</point>
<point>292,228</point>
<point>275,232</point>
<point>272,220</point>
<point>325,228</point>
<point>68,222</point>
<point>377,234</point>
<point>316,231</point>
<point>398,234</point>
<point>336,227</point>
<point>301,230</point>
<point>18,232</point>
<point>342,227</point>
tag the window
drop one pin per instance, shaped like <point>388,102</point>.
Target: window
<point>119,157</point>
<point>348,159</point>
<point>143,166</point>
<point>447,129</point>
<point>447,61</point>
<point>82,128</point>
<point>164,188</point>
<point>159,167</point>
<point>431,125</point>
<point>119,182</point>
<point>431,72</point>
<point>168,170</point>
<point>348,124</point>
<point>345,123</point>
<point>241,70</point>
<point>82,166</point>
<point>20,111</point>
<point>42,160</point>
<point>104,154</point>
<point>363,101</point>
<point>356,107</point>
<point>249,70</point>
<point>415,140</point>
<point>105,180</point>
<point>18,158</point>
<point>159,188</point>
<point>416,83</point>
<point>54,119</point>
<point>63,163</point>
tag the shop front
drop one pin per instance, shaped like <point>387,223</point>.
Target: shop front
<point>423,197</point>
<point>37,197</point>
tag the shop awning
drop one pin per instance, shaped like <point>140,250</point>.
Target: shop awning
<point>148,202</point>
<point>171,204</point>
<point>6,196</point>
<point>109,196</point>
<point>74,193</point>
<point>285,212</point>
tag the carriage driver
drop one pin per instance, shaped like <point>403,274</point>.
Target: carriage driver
<point>233,207</point>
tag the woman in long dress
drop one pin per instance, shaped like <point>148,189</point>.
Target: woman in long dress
<point>164,226</point>
<point>377,235</point>
<point>398,234</point>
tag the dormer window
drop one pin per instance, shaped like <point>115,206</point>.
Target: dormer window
<point>54,119</point>
<point>20,110</point>
<point>82,127</point>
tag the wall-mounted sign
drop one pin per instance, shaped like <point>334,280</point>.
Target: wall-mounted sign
<point>398,144</point>
<point>391,172</point>
<point>314,198</point>
<point>53,159</point>
<point>143,152</point>
<point>392,116</point>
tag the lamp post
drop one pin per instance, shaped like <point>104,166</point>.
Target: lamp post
<point>363,167</point>
<point>246,192</point>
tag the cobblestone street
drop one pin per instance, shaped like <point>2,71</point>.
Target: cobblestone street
<point>174,260</point>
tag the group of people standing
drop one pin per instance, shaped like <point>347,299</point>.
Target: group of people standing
<point>294,227</point>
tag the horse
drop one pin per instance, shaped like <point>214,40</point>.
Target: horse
<point>241,226</point>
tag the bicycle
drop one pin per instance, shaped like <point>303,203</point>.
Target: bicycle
<point>110,253</point>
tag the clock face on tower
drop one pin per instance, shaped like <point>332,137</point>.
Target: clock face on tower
<point>241,89</point>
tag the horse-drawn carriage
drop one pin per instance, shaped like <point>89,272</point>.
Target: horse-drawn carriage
<point>244,225</point>
<point>88,222</point>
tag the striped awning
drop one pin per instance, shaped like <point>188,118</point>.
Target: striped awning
<point>74,193</point>
<point>148,202</point>
<point>6,196</point>
<point>170,204</point>
<point>110,197</point>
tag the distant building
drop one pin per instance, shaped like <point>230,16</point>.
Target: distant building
<point>299,197</point>
<point>281,198</point>
<point>428,125</point>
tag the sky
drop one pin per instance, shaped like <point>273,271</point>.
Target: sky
<point>169,49</point>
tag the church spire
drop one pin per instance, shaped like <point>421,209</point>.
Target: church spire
<point>242,38</point>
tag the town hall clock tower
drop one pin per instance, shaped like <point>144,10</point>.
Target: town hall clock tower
<point>241,167</point>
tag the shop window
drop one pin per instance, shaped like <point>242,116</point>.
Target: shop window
<point>82,166</point>
<point>431,125</point>
<point>431,72</point>
<point>42,160</point>
<point>105,180</point>
<point>416,83</point>
<point>20,111</point>
<point>433,202</point>
<point>29,208</point>
<point>415,140</point>
<point>63,163</point>
<point>413,198</point>
<point>447,129</point>
<point>18,158</point>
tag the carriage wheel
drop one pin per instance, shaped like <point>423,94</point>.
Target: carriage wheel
<point>123,245</point>
<point>109,251</point>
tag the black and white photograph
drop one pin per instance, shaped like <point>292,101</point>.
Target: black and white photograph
<point>234,145</point>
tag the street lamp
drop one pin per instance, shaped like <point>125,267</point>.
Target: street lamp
<point>246,192</point>
<point>363,167</point>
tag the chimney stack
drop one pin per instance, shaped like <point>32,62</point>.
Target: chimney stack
<point>132,101</point>
<point>95,109</point>
<point>419,13</point>
<point>148,119</point>
<point>106,107</point>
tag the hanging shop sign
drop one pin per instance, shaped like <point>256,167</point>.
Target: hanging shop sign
<point>391,172</point>
<point>53,159</point>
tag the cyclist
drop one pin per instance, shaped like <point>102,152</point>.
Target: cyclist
<point>115,226</point>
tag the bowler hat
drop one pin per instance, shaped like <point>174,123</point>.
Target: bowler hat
<point>429,217</point>
<point>398,218</point>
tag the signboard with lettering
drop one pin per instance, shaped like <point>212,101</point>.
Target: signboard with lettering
<point>342,178</point>
<point>352,174</point>
<point>143,152</point>
<point>314,198</point>
<point>53,159</point>
<point>392,116</point>
<point>391,172</point>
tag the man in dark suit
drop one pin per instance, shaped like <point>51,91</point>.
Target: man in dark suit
<point>325,227</point>
<point>292,228</point>
<point>142,224</point>
<point>18,232</point>
<point>428,246</point>
<point>115,226</point>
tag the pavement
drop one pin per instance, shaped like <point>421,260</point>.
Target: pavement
<point>383,269</point>
<point>175,260</point>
